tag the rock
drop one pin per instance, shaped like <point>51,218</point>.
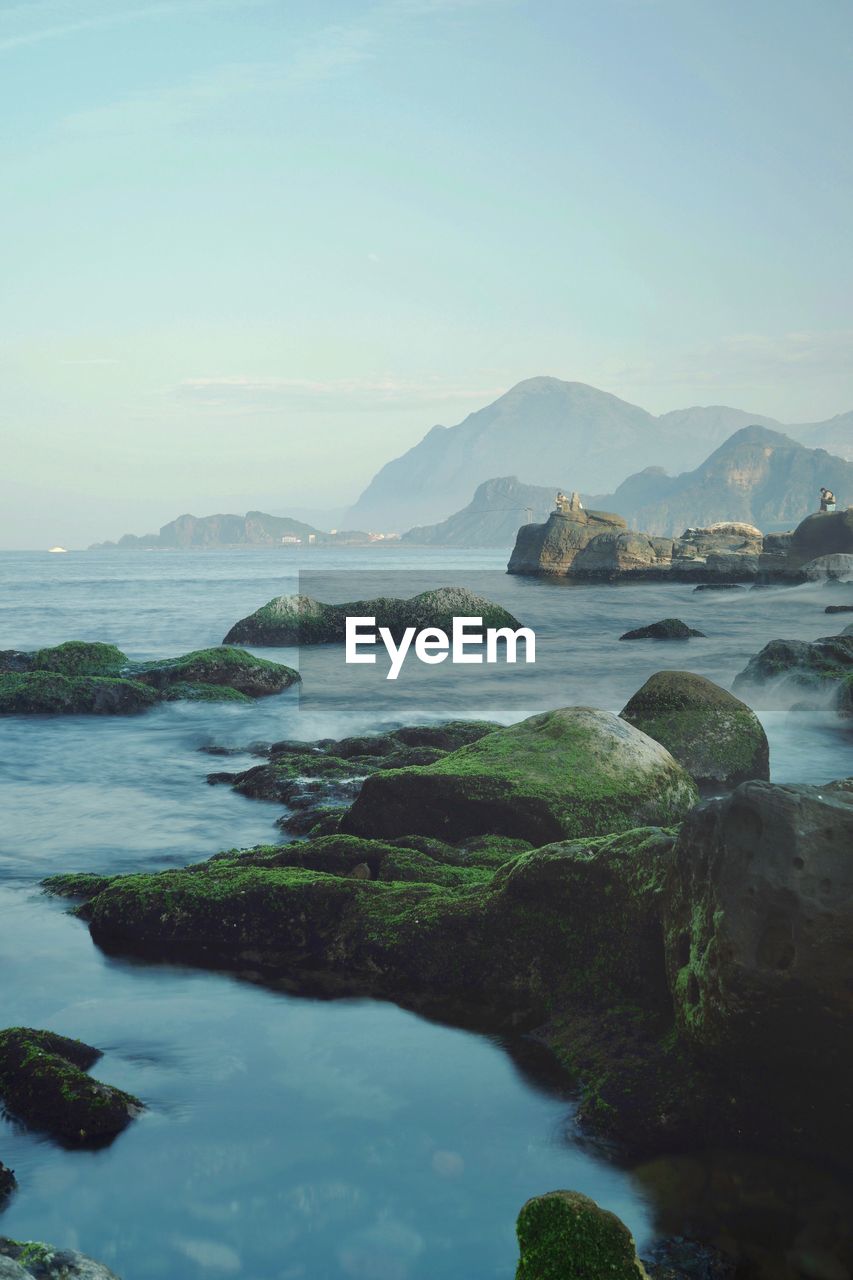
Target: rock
<point>822,534</point>
<point>821,666</point>
<point>291,620</point>
<point>229,667</point>
<point>22,1261</point>
<point>566,1236</point>
<point>717,738</point>
<point>551,548</point>
<point>680,1259</point>
<point>666,629</point>
<point>572,772</point>
<point>719,586</point>
<point>48,693</point>
<point>81,678</point>
<point>43,1082</point>
<point>758,920</point>
<point>839,608</point>
<point>833,568</point>
<point>7,1183</point>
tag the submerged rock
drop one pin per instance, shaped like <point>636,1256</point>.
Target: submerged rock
<point>43,1082</point>
<point>297,620</point>
<point>573,772</point>
<point>564,1235</point>
<point>21,1260</point>
<point>83,678</point>
<point>666,629</point>
<point>717,738</point>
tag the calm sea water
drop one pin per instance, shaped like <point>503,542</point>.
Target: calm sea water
<point>290,1138</point>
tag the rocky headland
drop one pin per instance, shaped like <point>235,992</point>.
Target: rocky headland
<point>588,546</point>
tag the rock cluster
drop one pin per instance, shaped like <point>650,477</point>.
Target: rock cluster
<point>26,1260</point>
<point>590,546</point>
<point>88,678</point>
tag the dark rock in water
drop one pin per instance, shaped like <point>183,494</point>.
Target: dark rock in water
<point>229,667</point>
<point>666,629</point>
<point>823,534</point>
<point>48,693</point>
<point>576,771</point>
<point>717,738</point>
<point>30,1261</point>
<point>43,1082</point>
<point>719,586</point>
<point>758,926</point>
<point>292,620</point>
<point>564,1235</point>
<point>839,608</point>
<point>7,1183</point>
<point>821,666</point>
<point>83,678</point>
<point>680,1259</point>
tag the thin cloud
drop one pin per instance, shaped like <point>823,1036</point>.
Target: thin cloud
<point>103,19</point>
<point>246,393</point>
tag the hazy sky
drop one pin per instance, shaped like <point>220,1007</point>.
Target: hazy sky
<point>251,249</point>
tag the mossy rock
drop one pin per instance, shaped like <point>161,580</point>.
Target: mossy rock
<point>81,658</point>
<point>224,667</point>
<point>43,1082</point>
<point>31,1260</point>
<point>566,1236</point>
<point>297,619</point>
<point>573,772</point>
<point>801,664</point>
<point>666,629</point>
<point>50,693</point>
<point>717,738</point>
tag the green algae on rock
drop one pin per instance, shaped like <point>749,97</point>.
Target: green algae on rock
<point>297,619</point>
<point>817,666</point>
<point>717,738</point>
<point>571,772</point>
<point>83,678</point>
<point>564,1235</point>
<point>29,1260</point>
<point>43,1082</point>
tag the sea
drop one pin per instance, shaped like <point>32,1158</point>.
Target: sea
<point>292,1138</point>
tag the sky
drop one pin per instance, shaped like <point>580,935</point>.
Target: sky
<point>252,249</point>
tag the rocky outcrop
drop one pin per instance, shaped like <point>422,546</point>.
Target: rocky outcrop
<point>255,529</point>
<point>792,668</point>
<point>758,922</point>
<point>666,629</point>
<point>726,553</point>
<point>564,1235</point>
<point>26,1260</point>
<point>43,1082</point>
<point>717,738</point>
<point>88,678</point>
<point>292,620</point>
<point>573,772</point>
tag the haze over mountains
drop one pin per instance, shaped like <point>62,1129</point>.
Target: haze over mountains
<point>547,432</point>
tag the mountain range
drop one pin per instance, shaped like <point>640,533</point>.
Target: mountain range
<point>543,429</point>
<point>758,475</point>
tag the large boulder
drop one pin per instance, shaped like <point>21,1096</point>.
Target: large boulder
<point>834,568</point>
<point>618,552</point>
<point>43,1082</point>
<point>26,1260</point>
<point>298,619</point>
<point>564,1235</point>
<point>820,667</point>
<point>552,547</point>
<point>577,771</point>
<point>822,534</point>
<point>758,920</point>
<point>225,667</point>
<point>49,693</point>
<point>717,738</point>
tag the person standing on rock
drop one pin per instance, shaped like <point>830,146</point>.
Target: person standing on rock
<point>827,500</point>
